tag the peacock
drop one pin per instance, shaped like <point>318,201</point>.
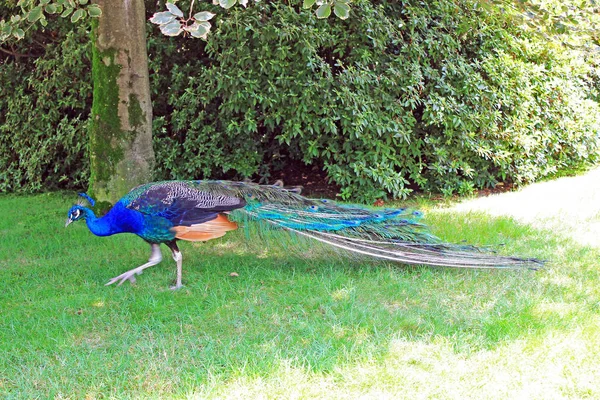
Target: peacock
<point>169,211</point>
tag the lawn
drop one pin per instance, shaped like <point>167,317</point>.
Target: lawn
<point>321,327</point>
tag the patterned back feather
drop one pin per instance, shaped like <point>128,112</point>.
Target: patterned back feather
<point>390,234</point>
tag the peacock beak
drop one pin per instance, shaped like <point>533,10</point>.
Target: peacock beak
<point>69,220</point>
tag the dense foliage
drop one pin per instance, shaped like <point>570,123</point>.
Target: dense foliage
<point>44,107</point>
<point>410,95</point>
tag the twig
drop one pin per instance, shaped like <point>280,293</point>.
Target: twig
<point>15,54</point>
<point>191,10</point>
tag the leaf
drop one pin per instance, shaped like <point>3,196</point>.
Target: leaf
<point>341,9</point>
<point>308,3</point>
<point>190,28</point>
<point>172,28</point>
<point>162,18</point>
<point>94,11</point>
<point>227,3</point>
<point>34,14</point>
<point>50,9</point>
<point>6,28</point>
<point>203,16</point>
<point>77,15</point>
<point>67,12</point>
<point>244,3</point>
<point>19,33</point>
<point>200,30</point>
<point>174,10</point>
<point>323,11</point>
<point>83,2</point>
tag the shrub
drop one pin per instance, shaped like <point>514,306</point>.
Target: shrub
<point>426,95</point>
<point>44,107</point>
<point>401,96</point>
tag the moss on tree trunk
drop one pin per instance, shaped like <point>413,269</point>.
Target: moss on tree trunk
<point>121,151</point>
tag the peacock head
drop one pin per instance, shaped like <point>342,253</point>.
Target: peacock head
<point>78,211</point>
<point>75,213</point>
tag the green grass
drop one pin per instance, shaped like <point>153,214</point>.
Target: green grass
<point>291,328</point>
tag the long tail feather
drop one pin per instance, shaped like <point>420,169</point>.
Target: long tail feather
<point>390,234</point>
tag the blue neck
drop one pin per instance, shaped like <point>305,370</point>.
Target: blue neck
<point>98,226</point>
<point>118,219</point>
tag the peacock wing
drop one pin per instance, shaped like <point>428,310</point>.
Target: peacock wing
<point>183,203</point>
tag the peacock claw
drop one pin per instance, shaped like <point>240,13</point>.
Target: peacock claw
<point>175,287</point>
<point>127,276</point>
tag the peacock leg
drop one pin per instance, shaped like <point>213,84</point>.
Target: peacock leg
<point>179,260</point>
<point>155,258</point>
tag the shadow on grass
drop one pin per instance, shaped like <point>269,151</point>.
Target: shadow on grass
<point>77,336</point>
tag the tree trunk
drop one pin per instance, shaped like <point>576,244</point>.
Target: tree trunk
<point>121,151</point>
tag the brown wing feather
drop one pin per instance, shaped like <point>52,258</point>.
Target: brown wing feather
<point>206,230</point>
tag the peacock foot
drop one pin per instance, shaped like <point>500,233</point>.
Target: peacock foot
<point>176,287</point>
<point>127,276</point>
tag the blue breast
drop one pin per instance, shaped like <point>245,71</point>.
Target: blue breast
<point>156,229</point>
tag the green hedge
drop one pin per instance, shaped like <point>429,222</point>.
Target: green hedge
<point>44,108</point>
<point>426,95</point>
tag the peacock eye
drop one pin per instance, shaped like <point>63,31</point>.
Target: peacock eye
<point>76,213</point>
